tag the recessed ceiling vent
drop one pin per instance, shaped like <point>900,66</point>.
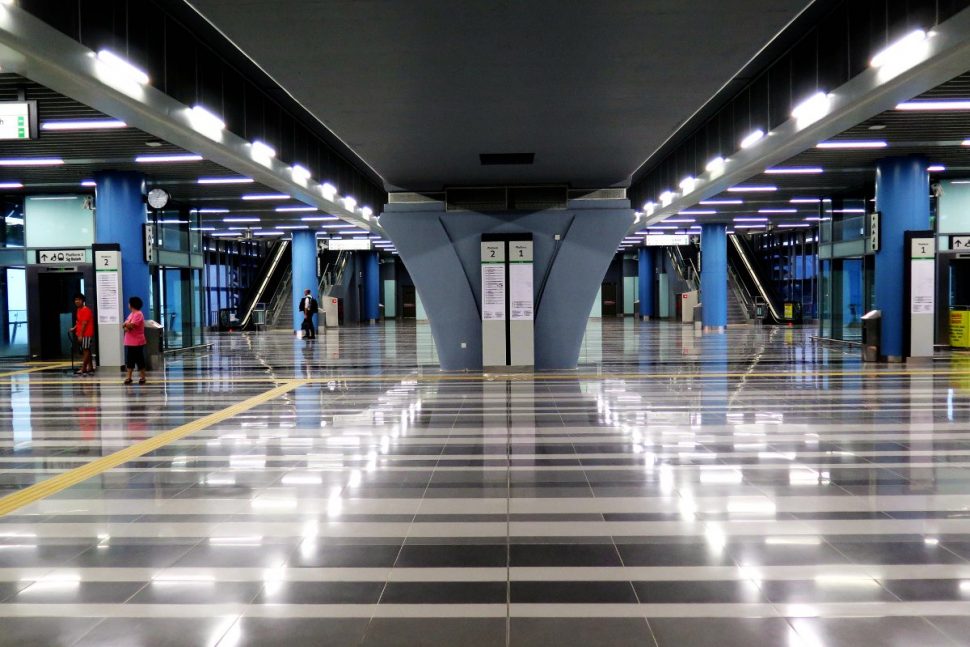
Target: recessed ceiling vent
<point>506,159</point>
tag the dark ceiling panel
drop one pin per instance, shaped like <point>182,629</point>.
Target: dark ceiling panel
<point>420,88</point>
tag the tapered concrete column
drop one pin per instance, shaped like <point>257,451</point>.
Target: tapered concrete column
<point>645,281</point>
<point>304,260</point>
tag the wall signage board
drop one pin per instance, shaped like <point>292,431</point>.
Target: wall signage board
<point>872,241</point>
<point>960,242</point>
<point>345,244</point>
<point>61,256</point>
<point>494,338</point>
<point>520,280</point>
<point>16,120</point>
<point>667,240</point>
<point>150,243</point>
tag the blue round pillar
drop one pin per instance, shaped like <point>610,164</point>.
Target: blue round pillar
<point>714,275</point>
<point>372,286</point>
<point>645,281</point>
<point>902,198</point>
<point>304,266</point>
<point>120,218</point>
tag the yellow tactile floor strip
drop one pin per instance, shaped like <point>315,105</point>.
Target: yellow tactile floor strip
<point>36,369</point>
<point>63,481</point>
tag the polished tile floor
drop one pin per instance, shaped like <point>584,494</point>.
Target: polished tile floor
<point>746,488</point>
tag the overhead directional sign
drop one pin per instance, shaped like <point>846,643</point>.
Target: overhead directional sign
<point>56,256</point>
<point>665,240</point>
<point>14,120</point>
<point>960,242</point>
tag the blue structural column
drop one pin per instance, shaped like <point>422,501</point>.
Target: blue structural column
<point>120,218</point>
<point>902,199</point>
<point>372,287</point>
<point>714,275</point>
<point>304,258</point>
<point>645,281</point>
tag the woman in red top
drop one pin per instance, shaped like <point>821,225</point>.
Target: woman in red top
<point>135,340</point>
<point>84,331</point>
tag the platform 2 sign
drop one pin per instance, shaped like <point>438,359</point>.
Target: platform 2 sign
<point>59,256</point>
<point>960,243</point>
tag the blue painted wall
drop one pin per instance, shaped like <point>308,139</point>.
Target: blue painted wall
<point>902,196</point>
<point>120,218</point>
<point>305,277</point>
<point>714,274</point>
<point>442,252</point>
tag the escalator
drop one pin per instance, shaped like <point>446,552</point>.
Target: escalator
<point>273,273</point>
<point>749,283</point>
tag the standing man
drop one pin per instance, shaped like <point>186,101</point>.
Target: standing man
<point>84,331</point>
<point>309,307</point>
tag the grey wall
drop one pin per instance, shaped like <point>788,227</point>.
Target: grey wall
<point>442,253</point>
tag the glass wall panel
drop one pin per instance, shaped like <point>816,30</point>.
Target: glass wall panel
<point>58,221</point>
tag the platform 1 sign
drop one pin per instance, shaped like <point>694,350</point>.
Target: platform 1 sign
<point>14,120</point>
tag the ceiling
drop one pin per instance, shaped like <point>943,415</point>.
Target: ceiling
<point>86,152</point>
<point>420,89</point>
<point>849,174</point>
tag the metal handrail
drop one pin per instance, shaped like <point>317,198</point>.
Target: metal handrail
<point>685,269</point>
<point>742,294</point>
<point>281,298</point>
<point>754,276</point>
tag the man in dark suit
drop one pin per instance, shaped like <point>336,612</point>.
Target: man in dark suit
<point>309,307</point>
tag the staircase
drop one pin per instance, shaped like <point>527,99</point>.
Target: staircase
<point>736,312</point>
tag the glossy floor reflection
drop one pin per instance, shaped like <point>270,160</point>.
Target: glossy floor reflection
<point>747,488</point>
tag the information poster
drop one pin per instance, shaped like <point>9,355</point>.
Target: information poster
<point>108,297</point>
<point>493,291</point>
<point>520,276</point>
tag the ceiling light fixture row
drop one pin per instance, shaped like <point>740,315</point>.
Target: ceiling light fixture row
<point>119,72</point>
<point>895,58</point>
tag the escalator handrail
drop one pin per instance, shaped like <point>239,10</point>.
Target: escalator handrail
<point>280,250</point>
<point>754,277</point>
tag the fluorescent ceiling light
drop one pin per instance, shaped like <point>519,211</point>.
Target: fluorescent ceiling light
<point>366,212</point>
<point>83,124</point>
<point>777,210</point>
<point>717,202</point>
<point>715,165</point>
<point>285,209</point>
<point>848,210</point>
<point>31,161</point>
<point>811,109</point>
<point>794,170</point>
<point>225,180</point>
<point>318,218</point>
<point>210,210</point>
<point>652,227</point>
<point>750,219</point>
<point>349,203</point>
<point>176,157</point>
<point>679,220</point>
<point>266,196</point>
<point>241,219</point>
<point>205,121</point>
<point>853,144</point>
<point>902,52</point>
<point>330,226</point>
<point>328,190</point>
<point>53,197</point>
<point>263,150</point>
<point>752,188</point>
<point>227,233</point>
<point>649,208</point>
<point>792,225</point>
<point>687,184</point>
<point>752,138</point>
<point>936,168</point>
<point>292,226</point>
<point>666,198</point>
<point>122,67</point>
<point>202,228</point>
<point>88,183</point>
<point>11,185</point>
<point>268,232</point>
<point>805,200</point>
<point>300,173</point>
<point>173,222</point>
<point>696,212</point>
<point>245,228</point>
<point>748,226</point>
<point>351,232</point>
<point>936,105</point>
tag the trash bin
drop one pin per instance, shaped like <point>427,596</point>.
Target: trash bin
<point>871,336</point>
<point>154,359</point>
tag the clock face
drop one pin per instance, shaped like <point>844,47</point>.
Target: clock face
<point>157,198</point>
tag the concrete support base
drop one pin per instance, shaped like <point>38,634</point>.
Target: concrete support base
<point>718,329</point>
